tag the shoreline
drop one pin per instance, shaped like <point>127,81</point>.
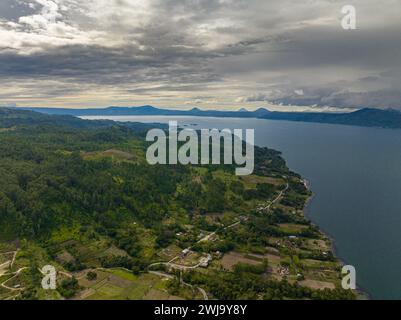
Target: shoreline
<point>361,293</point>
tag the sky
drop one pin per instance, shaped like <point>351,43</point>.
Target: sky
<point>211,54</point>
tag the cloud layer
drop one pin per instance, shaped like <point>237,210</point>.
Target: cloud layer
<point>209,53</point>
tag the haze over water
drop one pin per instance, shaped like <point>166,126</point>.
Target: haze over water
<point>355,174</point>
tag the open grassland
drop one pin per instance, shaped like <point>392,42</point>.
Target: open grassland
<point>118,284</point>
<point>230,260</point>
<point>252,181</point>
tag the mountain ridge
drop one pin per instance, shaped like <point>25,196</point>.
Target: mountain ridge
<point>367,117</point>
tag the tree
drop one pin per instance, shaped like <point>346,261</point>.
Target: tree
<point>237,187</point>
<point>264,190</point>
<point>91,276</point>
<point>69,288</point>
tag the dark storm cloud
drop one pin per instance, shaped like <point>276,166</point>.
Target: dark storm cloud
<point>332,68</point>
<point>104,65</point>
<point>245,51</point>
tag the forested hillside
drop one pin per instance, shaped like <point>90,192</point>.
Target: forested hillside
<point>79,195</point>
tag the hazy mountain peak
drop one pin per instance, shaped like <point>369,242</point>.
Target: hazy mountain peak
<point>261,110</point>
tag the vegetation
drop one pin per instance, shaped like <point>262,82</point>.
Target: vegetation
<point>80,196</point>
<point>91,276</point>
<point>68,288</point>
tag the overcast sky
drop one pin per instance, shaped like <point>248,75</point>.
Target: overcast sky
<point>226,54</point>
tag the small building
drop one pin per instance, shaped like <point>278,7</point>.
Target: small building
<point>204,262</point>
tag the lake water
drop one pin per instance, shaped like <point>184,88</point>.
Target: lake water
<point>355,174</point>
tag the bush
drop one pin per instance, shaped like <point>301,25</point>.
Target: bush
<point>91,276</point>
<point>69,288</point>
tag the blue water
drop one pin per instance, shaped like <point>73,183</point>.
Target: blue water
<point>355,174</point>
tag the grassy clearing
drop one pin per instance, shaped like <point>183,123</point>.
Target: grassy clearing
<point>66,234</point>
<point>118,284</point>
<point>124,274</point>
<point>250,182</point>
<point>160,295</point>
<point>5,293</point>
<point>169,253</point>
<point>318,285</point>
<point>225,176</point>
<point>7,129</point>
<point>4,257</point>
<point>114,154</point>
<point>315,244</point>
<point>86,252</point>
<point>292,228</point>
<point>231,259</point>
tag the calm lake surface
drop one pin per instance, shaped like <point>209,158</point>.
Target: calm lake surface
<point>355,174</point>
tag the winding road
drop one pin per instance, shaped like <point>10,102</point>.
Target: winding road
<point>276,199</point>
<point>15,274</point>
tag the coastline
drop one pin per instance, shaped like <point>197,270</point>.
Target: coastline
<point>361,293</point>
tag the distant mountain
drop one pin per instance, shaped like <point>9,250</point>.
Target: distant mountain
<point>10,117</point>
<point>148,111</point>
<point>365,117</point>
